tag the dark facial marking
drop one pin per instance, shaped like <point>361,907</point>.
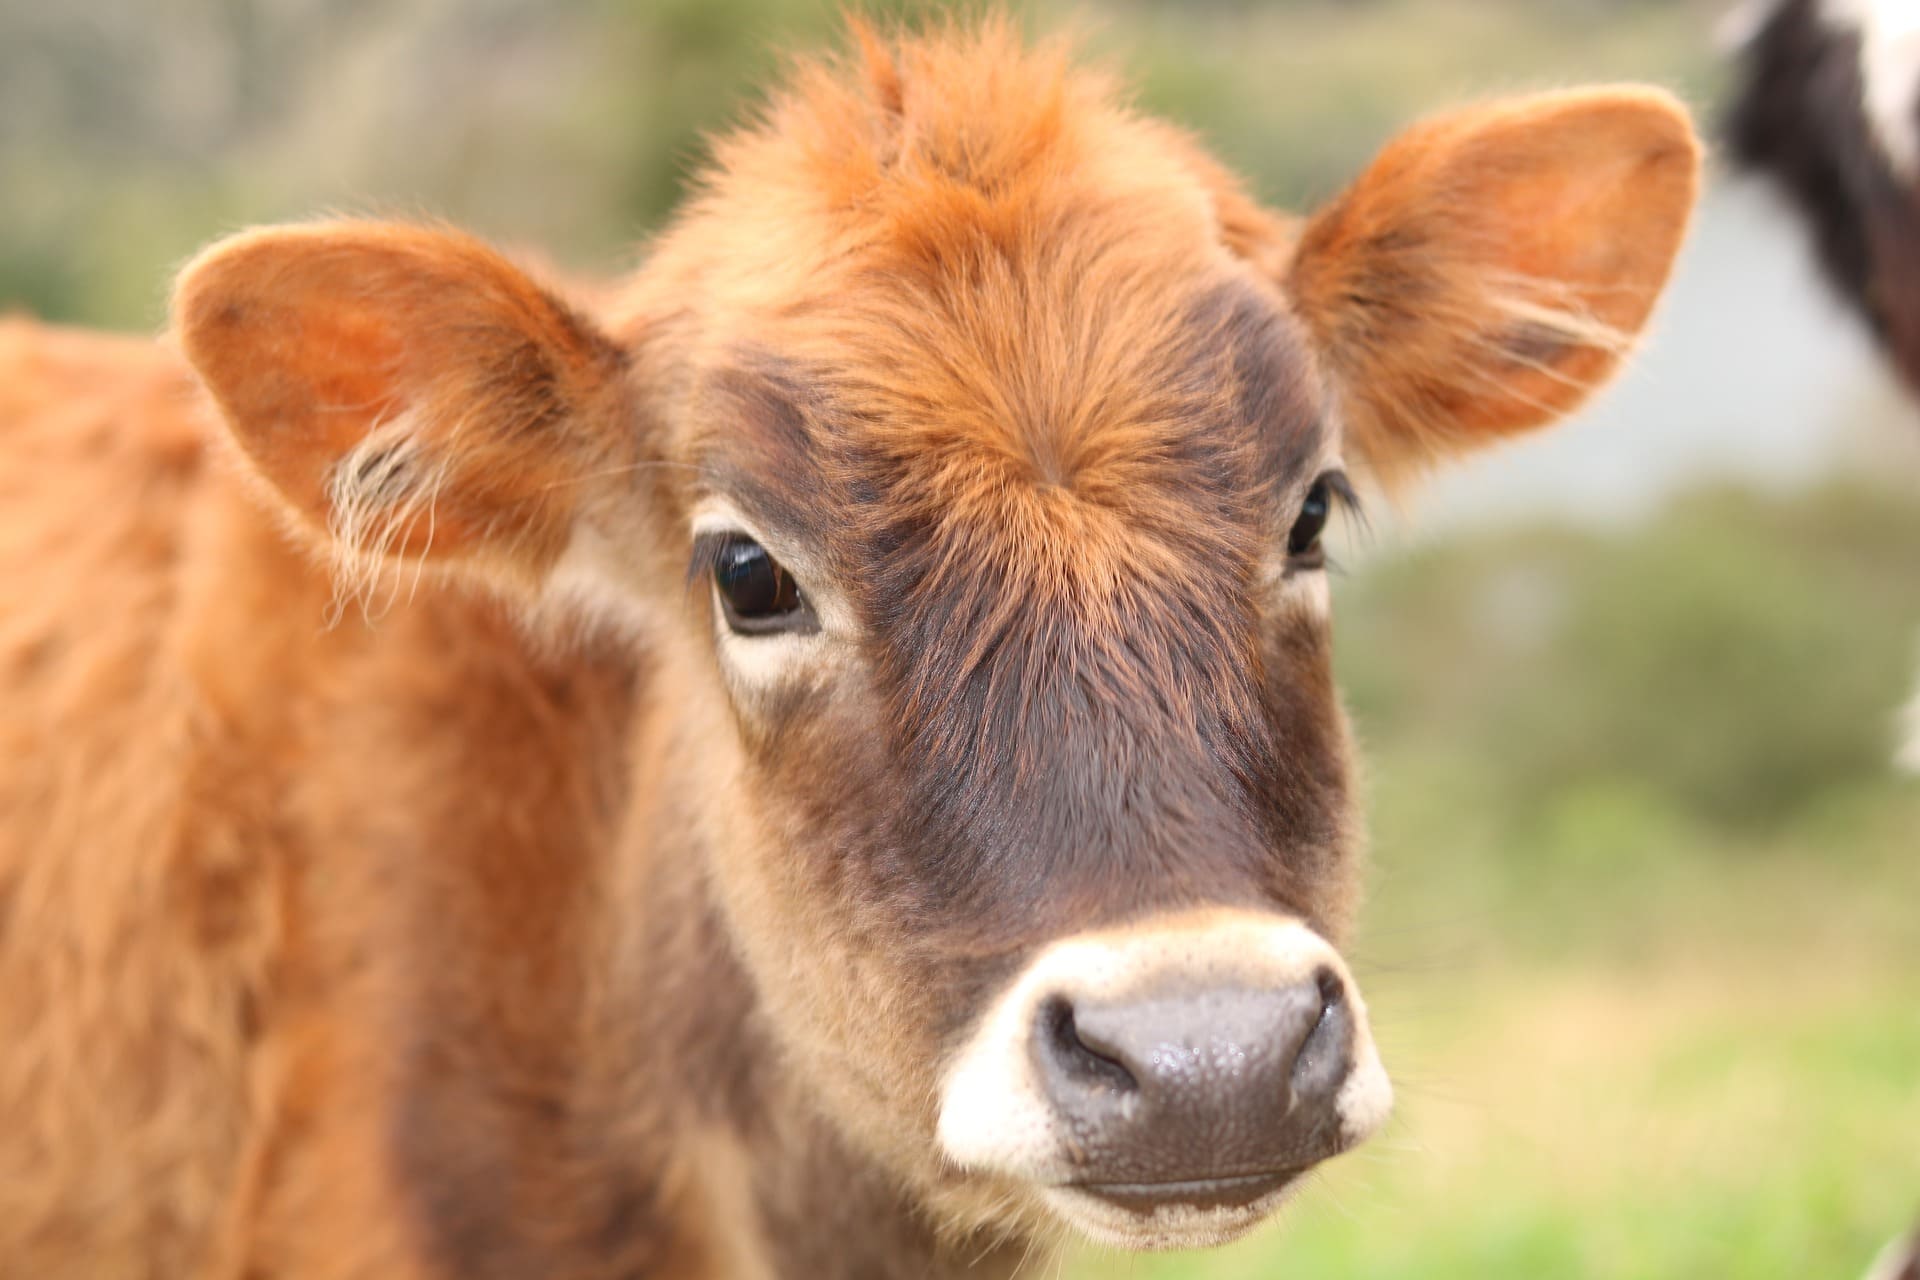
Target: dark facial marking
<point>765,446</point>
<point>1273,394</point>
<point>1070,745</point>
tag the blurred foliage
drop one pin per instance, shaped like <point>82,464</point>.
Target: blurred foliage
<point>1728,667</point>
<point>131,133</point>
<point>1566,726</point>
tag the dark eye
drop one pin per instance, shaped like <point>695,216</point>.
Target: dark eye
<point>756,594</point>
<point>1304,540</point>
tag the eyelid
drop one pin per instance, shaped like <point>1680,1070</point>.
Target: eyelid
<point>719,516</point>
<point>1341,487</point>
<point>1313,559</point>
<point>707,547</point>
<point>703,566</point>
<point>1345,496</point>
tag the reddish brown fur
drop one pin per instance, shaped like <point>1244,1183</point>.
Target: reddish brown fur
<point>1502,308</point>
<point>488,941</point>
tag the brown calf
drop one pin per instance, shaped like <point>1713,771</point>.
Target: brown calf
<point>838,774</point>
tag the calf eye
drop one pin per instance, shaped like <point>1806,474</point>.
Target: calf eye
<point>757,595</point>
<point>1303,542</point>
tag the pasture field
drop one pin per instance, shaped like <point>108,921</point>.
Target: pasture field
<point>1643,946</point>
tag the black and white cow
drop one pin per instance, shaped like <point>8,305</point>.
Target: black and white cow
<point>1826,105</point>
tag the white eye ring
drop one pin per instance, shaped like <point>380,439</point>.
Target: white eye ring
<point>758,662</point>
<point>756,595</point>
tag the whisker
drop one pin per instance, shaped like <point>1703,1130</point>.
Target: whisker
<point>625,469</point>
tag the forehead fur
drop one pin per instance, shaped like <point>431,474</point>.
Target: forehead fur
<point>924,145</point>
<point>988,346</point>
<point>1016,306</point>
<point>984,250</point>
<point>918,155</point>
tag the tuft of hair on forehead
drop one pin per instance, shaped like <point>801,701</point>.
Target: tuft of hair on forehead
<point>1007,277</point>
<point>967,103</point>
<point>933,146</point>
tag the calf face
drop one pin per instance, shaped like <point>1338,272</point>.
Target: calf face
<point>965,449</point>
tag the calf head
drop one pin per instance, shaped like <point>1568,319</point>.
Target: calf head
<point>970,441</point>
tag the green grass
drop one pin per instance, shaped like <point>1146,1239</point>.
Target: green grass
<point>1643,949</point>
<point>1748,1123</point>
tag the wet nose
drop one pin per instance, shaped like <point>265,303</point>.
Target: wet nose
<point>1160,1083</point>
<point>1213,1096</point>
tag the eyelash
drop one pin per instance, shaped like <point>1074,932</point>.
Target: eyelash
<point>1342,488</point>
<point>707,548</point>
<point>1338,493</point>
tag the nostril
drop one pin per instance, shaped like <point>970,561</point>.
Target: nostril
<point>1322,1060</point>
<point>1332,990</point>
<point>1080,1057</point>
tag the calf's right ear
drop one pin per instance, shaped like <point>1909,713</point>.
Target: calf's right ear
<point>1492,267</point>
<point>409,391</point>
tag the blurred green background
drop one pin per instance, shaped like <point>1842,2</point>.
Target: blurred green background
<point>130,133</point>
<point>1643,945</point>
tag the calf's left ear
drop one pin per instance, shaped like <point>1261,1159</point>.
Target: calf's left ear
<point>1492,267</point>
<point>410,392</point>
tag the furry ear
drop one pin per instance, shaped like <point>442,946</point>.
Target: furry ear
<point>409,391</point>
<point>1492,267</point>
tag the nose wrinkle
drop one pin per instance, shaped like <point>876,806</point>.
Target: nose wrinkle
<point>1214,1085</point>
<point>1190,1041</point>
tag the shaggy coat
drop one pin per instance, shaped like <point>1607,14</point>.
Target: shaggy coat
<point>405,872</point>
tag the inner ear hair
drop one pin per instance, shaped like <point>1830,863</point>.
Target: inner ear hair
<point>1493,267</point>
<point>411,394</point>
<point>381,497</point>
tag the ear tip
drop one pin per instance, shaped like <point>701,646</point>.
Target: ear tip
<point>1668,118</point>
<point>204,300</point>
<point>1656,117</point>
<point>1672,155</point>
<point>1645,133</point>
<point>213,292</point>
<point>208,292</point>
